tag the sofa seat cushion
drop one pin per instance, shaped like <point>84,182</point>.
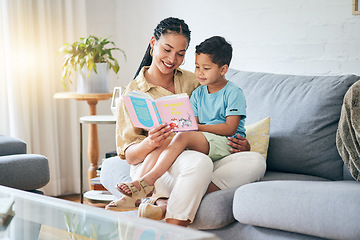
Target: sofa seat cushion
<point>304,112</point>
<point>324,209</point>
<point>24,171</point>
<point>215,210</point>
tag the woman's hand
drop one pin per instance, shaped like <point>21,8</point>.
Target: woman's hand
<point>136,153</point>
<point>159,134</point>
<point>238,144</point>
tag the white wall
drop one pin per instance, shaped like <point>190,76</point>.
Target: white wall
<point>281,36</point>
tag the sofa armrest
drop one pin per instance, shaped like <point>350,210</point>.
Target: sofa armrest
<point>325,209</point>
<point>11,146</point>
<point>24,171</point>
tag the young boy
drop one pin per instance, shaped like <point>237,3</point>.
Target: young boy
<point>220,110</point>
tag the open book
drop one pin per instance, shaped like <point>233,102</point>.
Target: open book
<point>147,113</point>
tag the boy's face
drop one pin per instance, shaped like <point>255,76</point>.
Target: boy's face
<point>208,72</point>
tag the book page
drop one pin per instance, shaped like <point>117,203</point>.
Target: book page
<point>177,112</point>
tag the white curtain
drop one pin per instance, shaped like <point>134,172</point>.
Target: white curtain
<point>31,32</point>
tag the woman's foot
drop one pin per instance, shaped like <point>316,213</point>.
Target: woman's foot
<point>135,189</point>
<point>151,209</point>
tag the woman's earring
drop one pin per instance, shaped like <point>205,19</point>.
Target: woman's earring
<point>151,52</point>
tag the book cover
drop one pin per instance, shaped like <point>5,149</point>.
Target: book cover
<point>147,113</point>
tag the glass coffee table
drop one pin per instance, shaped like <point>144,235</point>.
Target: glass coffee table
<point>34,216</point>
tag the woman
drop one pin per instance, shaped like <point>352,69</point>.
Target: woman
<point>180,190</point>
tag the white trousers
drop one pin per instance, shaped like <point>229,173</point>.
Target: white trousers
<point>186,182</point>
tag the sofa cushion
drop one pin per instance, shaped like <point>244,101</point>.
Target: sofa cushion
<point>10,146</point>
<point>258,135</point>
<point>275,176</point>
<point>324,209</point>
<point>304,113</point>
<point>24,171</point>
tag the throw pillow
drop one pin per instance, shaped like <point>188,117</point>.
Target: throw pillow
<point>258,135</point>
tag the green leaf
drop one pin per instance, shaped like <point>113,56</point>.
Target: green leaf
<point>82,63</point>
<point>67,221</point>
<point>90,63</point>
<point>78,229</point>
<point>64,72</point>
<point>64,84</point>
<point>93,232</point>
<point>117,67</point>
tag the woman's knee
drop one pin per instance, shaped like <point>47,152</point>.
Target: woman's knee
<point>239,169</point>
<point>193,161</point>
<point>254,162</point>
<point>258,163</point>
<point>254,159</point>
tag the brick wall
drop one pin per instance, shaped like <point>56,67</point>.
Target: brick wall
<point>281,36</point>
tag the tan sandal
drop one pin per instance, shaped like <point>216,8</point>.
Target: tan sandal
<point>147,210</point>
<point>144,191</point>
<point>123,204</point>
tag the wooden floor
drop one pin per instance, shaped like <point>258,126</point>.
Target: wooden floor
<point>76,198</point>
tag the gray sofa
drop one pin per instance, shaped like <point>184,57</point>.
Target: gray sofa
<point>307,192</point>
<point>20,170</point>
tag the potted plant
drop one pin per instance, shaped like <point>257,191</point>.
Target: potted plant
<point>91,58</point>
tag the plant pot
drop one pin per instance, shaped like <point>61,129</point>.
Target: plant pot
<point>96,82</point>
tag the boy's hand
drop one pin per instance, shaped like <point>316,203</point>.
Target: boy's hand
<point>238,144</point>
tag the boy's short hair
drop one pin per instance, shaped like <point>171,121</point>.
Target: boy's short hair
<point>219,50</point>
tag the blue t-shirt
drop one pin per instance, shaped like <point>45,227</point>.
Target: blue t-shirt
<point>215,107</point>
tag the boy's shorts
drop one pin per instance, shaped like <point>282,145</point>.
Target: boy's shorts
<point>218,147</point>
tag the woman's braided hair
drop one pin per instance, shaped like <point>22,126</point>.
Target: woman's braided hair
<point>166,26</point>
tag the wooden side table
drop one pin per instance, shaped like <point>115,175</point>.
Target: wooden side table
<point>93,143</point>
<point>91,120</point>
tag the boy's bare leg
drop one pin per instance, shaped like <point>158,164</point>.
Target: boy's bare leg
<point>147,165</point>
<point>185,140</point>
<point>152,157</point>
<point>192,140</point>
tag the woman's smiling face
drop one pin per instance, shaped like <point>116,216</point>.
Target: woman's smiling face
<point>168,51</point>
